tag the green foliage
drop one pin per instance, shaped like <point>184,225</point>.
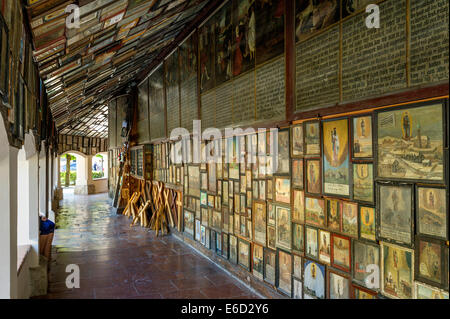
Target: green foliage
<point>96,175</point>
<point>73,178</point>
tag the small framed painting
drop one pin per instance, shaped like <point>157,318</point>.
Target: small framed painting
<point>285,272</point>
<point>259,222</point>
<point>258,261</point>
<point>362,293</point>
<point>298,238</point>
<point>423,291</point>
<point>298,214</point>
<point>314,279</point>
<point>363,185</point>
<point>297,173</point>
<point>311,242</point>
<point>338,285</point>
<point>312,138</point>
<point>432,215</point>
<point>431,264</point>
<point>233,249</point>
<point>315,212</point>
<point>244,254</point>
<point>350,219</point>
<point>334,215</point>
<point>297,140</point>
<point>282,190</point>
<point>341,252</point>
<point>313,177</point>
<point>367,223</point>
<point>297,288</point>
<point>366,263</point>
<point>324,246</point>
<point>297,270</point>
<point>271,237</point>
<point>362,137</point>
<point>270,266</point>
<point>283,227</point>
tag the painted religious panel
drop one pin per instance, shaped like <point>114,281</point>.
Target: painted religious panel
<point>297,289</point>
<point>244,36</point>
<point>312,138</point>
<point>350,219</point>
<point>233,249</point>
<point>188,58</point>
<point>324,246</point>
<point>410,143</point>
<point>260,225</point>
<point>282,190</point>
<point>432,215</point>
<point>395,213</point>
<point>297,270</point>
<point>313,177</point>
<point>224,44</point>
<point>315,212</point>
<point>367,223</point>
<point>397,270</point>
<point>270,29</point>
<point>366,263</point>
<point>297,173</point>
<point>283,227</point>
<point>334,215</point>
<point>270,264</point>
<point>314,279</point>
<point>258,261</point>
<point>341,252</point>
<point>313,16</point>
<point>298,143</point>
<point>298,237</point>
<point>336,162</point>
<point>362,137</point>
<point>338,285</point>
<point>283,162</point>
<point>312,244</point>
<point>431,262</point>
<point>244,254</point>
<point>284,272</point>
<point>194,181</point>
<point>298,215</point>
<point>206,55</point>
<point>361,293</point>
<point>363,187</point>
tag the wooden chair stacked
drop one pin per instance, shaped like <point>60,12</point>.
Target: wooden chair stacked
<point>159,222</point>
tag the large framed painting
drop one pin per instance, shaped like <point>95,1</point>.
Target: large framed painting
<point>283,160</point>
<point>282,190</point>
<point>431,212</point>
<point>258,261</point>
<point>270,266</point>
<point>363,185</point>
<point>411,143</point>
<point>336,158</point>
<point>244,36</point>
<point>244,254</point>
<point>395,210</point>
<point>298,142</point>
<point>269,30</point>
<point>324,246</point>
<point>259,223</point>
<point>284,272</point>
<point>312,244</point>
<point>397,271</point>
<point>314,16</point>
<point>423,291</point>
<point>350,219</point>
<point>431,262</point>
<point>314,279</point>
<point>338,285</point>
<point>366,264</point>
<point>283,227</point>
<point>298,238</point>
<point>367,223</point>
<point>297,173</point>
<point>341,252</point>
<point>315,212</point>
<point>362,147</point>
<point>298,214</point>
<point>334,214</point>
<point>223,44</point>
<point>313,177</point>
<point>312,138</point>
<point>206,55</point>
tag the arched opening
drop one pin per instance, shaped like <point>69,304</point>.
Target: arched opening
<point>68,170</point>
<point>100,166</point>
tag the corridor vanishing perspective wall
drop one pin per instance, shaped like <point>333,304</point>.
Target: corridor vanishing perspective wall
<point>358,207</point>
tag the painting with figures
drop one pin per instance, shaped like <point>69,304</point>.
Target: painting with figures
<point>314,279</point>
<point>206,58</point>
<point>363,188</point>
<point>244,36</point>
<point>432,215</point>
<point>362,137</point>
<point>410,143</point>
<point>336,159</point>
<point>223,44</point>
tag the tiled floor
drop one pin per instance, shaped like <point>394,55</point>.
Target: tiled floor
<point>117,261</point>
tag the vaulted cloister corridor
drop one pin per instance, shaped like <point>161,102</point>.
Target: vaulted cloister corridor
<point>117,261</point>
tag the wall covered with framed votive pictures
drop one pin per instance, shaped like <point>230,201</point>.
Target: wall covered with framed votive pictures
<point>359,211</point>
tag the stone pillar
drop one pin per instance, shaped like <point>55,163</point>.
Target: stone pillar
<point>8,216</point>
<point>84,184</point>
<point>33,210</point>
<point>42,181</point>
<point>58,190</point>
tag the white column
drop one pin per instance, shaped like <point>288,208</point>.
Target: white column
<point>8,216</point>
<point>33,209</point>
<point>42,181</point>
